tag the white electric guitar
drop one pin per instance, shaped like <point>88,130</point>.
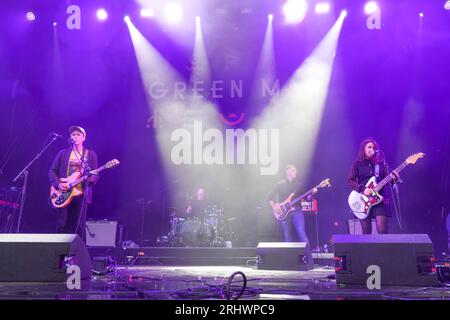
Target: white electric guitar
<point>361,204</point>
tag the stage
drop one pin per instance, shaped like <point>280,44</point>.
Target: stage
<point>209,282</point>
<point>225,150</point>
<point>160,275</point>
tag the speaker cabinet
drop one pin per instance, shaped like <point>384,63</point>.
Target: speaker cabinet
<point>402,259</point>
<point>284,256</point>
<point>42,257</point>
<point>102,233</point>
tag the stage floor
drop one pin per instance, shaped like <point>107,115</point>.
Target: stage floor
<point>210,282</point>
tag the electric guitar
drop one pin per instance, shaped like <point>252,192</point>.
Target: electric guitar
<point>61,199</point>
<point>361,204</point>
<point>286,207</point>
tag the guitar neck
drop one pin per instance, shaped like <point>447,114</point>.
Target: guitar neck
<point>300,197</point>
<point>389,177</point>
<point>79,180</point>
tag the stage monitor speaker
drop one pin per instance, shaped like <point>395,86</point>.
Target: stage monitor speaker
<point>42,257</point>
<point>402,259</point>
<point>354,226</point>
<point>102,233</point>
<point>283,256</point>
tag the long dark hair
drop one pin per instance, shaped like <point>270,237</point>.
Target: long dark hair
<point>361,153</point>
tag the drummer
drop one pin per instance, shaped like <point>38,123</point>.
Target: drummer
<point>198,206</point>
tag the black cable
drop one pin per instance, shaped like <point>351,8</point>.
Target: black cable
<point>228,294</point>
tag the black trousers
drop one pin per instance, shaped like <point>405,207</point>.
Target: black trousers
<point>69,217</point>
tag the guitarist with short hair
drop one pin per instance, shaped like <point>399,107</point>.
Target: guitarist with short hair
<point>295,220</point>
<point>68,161</point>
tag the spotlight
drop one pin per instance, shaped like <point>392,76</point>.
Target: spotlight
<point>197,20</point>
<point>370,7</point>
<point>55,24</point>
<point>173,13</point>
<point>126,19</point>
<point>322,8</point>
<point>270,17</point>
<point>31,16</point>
<point>344,13</point>
<point>147,13</point>
<point>447,5</point>
<point>295,10</point>
<point>421,14</point>
<point>102,14</point>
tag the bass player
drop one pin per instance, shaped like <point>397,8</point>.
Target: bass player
<point>296,219</point>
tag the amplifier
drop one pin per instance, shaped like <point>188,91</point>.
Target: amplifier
<point>102,233</point>
<point>284,256</point>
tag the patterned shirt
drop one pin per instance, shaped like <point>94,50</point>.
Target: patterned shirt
<point>76,165</point>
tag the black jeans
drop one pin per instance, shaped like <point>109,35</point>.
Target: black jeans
<point>69,216</point>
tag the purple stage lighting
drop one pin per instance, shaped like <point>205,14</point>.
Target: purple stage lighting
<point>447,5</point>
<point>126,19</point>
<point>102,14</point>
<point>270,17</point>
<point>421,14</point>
<point>147,13</point>
<point>295,10</point>
<point>370,7</point>
<point>55,24</point>
<point>31,16</point>
<point>322,8</point>
<point>173,13</point>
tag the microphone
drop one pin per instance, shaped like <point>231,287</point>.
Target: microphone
<point>374,152</point>
<point>378,153</point>
<point>57,135</point>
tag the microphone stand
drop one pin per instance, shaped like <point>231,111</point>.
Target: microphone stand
<point>145,204</point>
<point>24,174</point>
<point>163,195</point>
<point>84,204</point>
<point>395,186</point>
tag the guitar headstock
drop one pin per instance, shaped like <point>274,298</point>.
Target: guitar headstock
<point>412,159</point>
<point>112,163</point>
<point>325,183</point>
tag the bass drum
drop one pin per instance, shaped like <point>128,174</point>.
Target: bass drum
<point>194,234</point>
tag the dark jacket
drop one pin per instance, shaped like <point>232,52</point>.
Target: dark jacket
<point>60,164</point>
<point>361,172</point>
<point>282,190</point>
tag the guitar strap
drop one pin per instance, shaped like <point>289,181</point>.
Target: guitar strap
<point>377,171</point>
<point>84,159</point>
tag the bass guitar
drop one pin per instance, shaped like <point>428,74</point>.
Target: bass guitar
<point>287,206</point>
<point>361,204</point>
<point>61,199</point>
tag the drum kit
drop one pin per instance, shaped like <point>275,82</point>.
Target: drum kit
<point>209,231</point>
